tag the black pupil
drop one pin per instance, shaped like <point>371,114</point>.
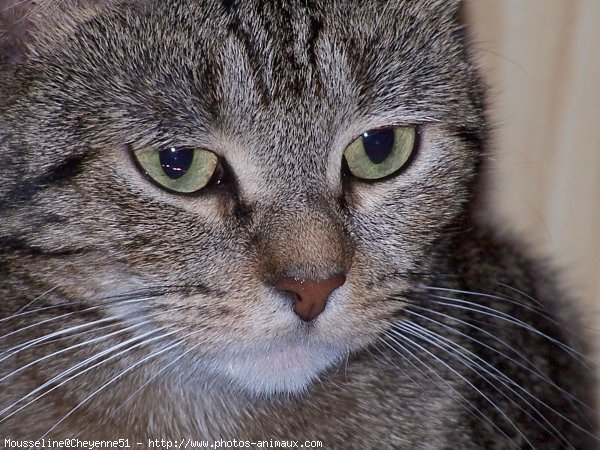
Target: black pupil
<point>176,162</point>
<point>378,144</point>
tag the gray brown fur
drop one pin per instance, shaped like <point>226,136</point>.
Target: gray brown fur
<point>278,89</point>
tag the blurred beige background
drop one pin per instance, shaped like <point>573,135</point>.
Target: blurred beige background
<point>542,61</point>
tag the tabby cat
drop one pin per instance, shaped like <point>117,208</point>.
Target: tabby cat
<point>247,219</point>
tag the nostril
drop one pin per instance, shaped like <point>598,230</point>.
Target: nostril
<point>293,296</point>
<point>310,296</point>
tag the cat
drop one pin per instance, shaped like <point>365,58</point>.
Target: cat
<point>260,220</point>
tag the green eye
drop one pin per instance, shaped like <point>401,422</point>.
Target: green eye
<point>379,153</point>
<point>184,170</point>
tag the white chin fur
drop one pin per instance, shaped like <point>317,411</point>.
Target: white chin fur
<point>282,369</point>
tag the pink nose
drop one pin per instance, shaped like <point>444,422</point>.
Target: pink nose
<point>310,295</point>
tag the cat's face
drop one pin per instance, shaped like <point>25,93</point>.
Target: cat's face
<point>277,92</point>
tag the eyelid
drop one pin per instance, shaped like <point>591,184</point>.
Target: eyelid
<point>417,127</point>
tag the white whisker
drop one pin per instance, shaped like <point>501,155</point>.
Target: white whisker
<point>464,379</point>
<point>119,375</point>
<point>62,316</point>
<point>37,298</point>
<point>73,347</point>
<point>532,369</point>
<point>66,332</point>
<point>470,360</point>
<point>537,309</point>
<point>471,408</point>
<point>28,344</point>
<point>79,365</point>
<point>485,310</point>
<point>162,370</point>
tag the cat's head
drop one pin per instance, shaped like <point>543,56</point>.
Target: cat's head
<point>327,148</point>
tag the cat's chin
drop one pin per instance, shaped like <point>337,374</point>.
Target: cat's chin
<point>283,369</point>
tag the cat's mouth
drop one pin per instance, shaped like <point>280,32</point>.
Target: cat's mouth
<point>274,350</point>
<point>289,367</point>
